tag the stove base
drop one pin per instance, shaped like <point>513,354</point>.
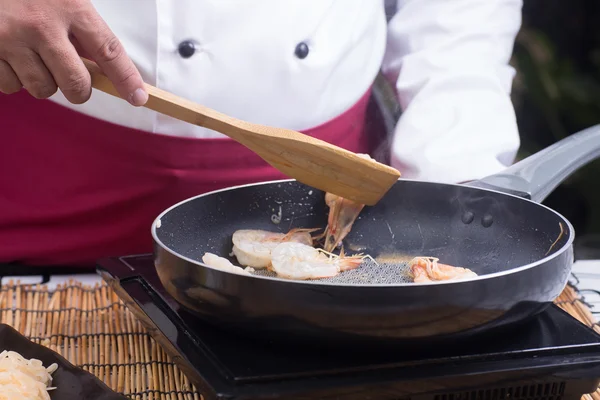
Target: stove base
<point>562,362</point>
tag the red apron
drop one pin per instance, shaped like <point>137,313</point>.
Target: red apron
<point>75,188</point>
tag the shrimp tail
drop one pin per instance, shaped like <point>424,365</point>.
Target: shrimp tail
<point>350,263</point>
<point>427,269</point>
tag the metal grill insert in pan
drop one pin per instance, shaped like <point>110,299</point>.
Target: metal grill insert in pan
<point>369,272</point>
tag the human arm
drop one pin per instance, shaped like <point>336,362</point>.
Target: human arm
<point>449,62</point>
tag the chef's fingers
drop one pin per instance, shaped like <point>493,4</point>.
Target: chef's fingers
<point>96,38</point>
<point>9,82</point>
<point>80,50</point>
<point>68,70</point>
<point>33,74</point>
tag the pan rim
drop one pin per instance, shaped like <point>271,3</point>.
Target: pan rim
<point>565,247</point>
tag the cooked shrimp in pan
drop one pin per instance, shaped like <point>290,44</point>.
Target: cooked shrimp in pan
<point>427,269</point>
<point>342,214</point>
<point>299,261</point>
<point>252,247</point>
<point>223,264</point>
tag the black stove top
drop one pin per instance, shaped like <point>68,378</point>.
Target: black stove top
<point>550,357</point>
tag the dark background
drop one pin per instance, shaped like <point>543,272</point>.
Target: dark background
<point>556,93</point>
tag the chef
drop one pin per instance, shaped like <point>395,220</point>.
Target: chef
<point>83,174</point>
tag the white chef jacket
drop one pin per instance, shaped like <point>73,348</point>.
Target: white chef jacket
<point>448,60</point>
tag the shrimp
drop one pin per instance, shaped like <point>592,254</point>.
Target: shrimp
<point>342,214</point>
<point>223,264</point>
<point>253,247</point>
<point>299,261</point>
<point>427,269</point>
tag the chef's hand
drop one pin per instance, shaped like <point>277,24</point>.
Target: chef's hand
<point>41,42</point>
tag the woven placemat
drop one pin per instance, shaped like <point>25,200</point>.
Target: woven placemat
<point>93,329</point>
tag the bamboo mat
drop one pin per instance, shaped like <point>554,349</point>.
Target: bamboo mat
<point>93,329</point>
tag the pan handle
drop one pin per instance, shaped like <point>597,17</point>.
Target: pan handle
<point>538,175</point>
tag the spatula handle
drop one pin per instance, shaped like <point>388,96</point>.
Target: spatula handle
<point>307,159</point>
<point>244,132</point>
<point>169,104</point>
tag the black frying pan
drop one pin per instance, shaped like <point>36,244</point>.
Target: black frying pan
<point>495,226</point>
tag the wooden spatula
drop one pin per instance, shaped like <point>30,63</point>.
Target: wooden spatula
<point>304,158</point>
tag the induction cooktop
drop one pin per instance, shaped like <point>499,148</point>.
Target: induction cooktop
<point>552,356</point>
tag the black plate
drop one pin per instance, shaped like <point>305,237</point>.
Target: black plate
<point>70,382</point>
